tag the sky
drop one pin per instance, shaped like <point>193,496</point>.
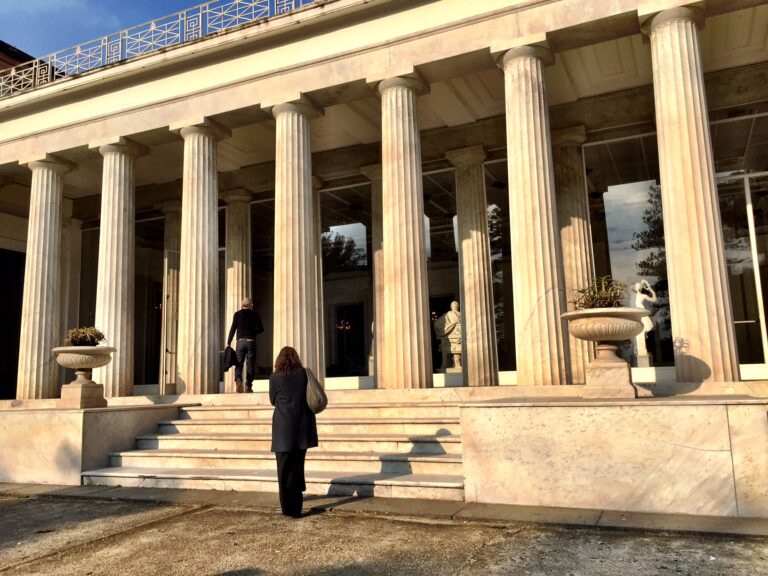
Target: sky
<point>41,27</point>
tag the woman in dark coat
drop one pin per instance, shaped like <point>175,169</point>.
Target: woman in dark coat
<point>294,428</point>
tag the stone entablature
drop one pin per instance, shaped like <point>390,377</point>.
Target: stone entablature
<point>245,69</point>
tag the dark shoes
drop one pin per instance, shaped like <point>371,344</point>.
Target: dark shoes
<point>248,388</point>
<point>239,386</point>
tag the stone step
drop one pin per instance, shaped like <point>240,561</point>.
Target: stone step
<point>430,486</point>
<point>371,410</point>
<point>348,462</point>
<point>382,443</point>
<point>417,426</point>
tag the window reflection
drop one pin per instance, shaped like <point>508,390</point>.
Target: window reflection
<point>346,221</point>
<point>628,232</point>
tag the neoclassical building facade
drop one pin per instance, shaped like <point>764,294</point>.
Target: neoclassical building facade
<point>354,166</point>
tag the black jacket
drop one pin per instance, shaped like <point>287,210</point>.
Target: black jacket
<point>293,424</point>
<point>247,324</point>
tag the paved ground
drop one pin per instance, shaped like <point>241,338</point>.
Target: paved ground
<point>189,533</point>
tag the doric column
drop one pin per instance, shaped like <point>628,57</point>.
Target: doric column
<point>116,272</point>
<point>480,362</point>
<point>373,173</point>
<point>238,262</point>
<point>296,316</point>
<point>171,209</point>
<point>407,354</point>
<point>317,185</point>
<point>575,232</point>
<point>536,260</point>
<point>699,296</point>
<point>40,307</point>
<point>199,336</point>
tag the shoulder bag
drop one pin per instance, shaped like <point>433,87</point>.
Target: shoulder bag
<point>316,398</point>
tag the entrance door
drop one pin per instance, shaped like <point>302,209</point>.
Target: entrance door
<point>350,358</point>
<point>11,293</point>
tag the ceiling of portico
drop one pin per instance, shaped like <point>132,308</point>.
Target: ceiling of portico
<point>473,91</point>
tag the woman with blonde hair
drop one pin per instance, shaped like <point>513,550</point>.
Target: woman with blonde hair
<point>294,428</point>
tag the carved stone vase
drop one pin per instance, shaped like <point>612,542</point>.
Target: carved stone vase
<point>608,376</point>
<point>83,392</point>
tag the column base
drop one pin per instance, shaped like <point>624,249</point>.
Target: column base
<point>609,380</point>
<point>82,396</point>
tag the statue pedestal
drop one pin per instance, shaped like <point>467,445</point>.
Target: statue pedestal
<point>453,370</point>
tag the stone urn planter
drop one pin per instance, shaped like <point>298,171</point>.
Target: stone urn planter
<point>608,376</point>
<point>83,392</point>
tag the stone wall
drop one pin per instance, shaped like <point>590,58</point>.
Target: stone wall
<point>697,456</point>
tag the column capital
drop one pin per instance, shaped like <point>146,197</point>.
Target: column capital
<point>167,206</point>
<point>465,157</point>
<point>539,51</point>
<point>571,136</point>
<point>692,11</point>
<point>414,82</point>
<point>50,162</point>
<point>317,183</point>
<point>235,195</point>
<point>371,171</point>
<point>121,146</point>
<point>304,106</point>
<point>206,126</point>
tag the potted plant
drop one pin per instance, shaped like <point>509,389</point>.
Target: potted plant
<point>82,353</point>
<point>600,316</point>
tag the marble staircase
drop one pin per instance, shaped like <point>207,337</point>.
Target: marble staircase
<point>390,449</point>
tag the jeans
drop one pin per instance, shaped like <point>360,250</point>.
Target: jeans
<point>243,349</point>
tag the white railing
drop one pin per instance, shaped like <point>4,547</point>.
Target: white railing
<point>190,24</point>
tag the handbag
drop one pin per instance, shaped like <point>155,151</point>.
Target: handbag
<point>316,398</point>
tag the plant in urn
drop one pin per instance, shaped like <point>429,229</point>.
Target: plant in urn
<point>82,353</point>
<point>601,317</point>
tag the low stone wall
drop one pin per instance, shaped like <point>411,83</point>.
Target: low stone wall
<point>55,446</point>
<point>694,456</point>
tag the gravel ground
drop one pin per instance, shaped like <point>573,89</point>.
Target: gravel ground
<point>82,537</point>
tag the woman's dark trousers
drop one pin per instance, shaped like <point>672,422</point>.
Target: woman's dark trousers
<point>290,479</point>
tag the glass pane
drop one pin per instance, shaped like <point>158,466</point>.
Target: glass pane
<point>741,270</point>
<point>148,311</point>
<point>758,188</point>
<point>262,278</point>
<point>440,231</point>
<point>628,236</point>
<point>347,279</point>
<point>497,197</point>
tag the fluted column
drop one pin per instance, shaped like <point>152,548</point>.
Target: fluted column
<point>237,280</point>
<point>296,319</point>
<point>373,173</point>
<point>407,353</point>
<point>575,231</point>
<point>536,260</point>
<point>171,209</point>
<point>116,272</point>
<point>40,306</point>
<point>317,185</point>
<point>199,337</point>
<point>699,296</point>
<point>480,363</point>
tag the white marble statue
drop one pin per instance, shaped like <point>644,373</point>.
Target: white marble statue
<point>448,330</point>
<point>643,293</point>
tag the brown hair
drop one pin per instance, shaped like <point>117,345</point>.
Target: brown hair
<point>287,361</point>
